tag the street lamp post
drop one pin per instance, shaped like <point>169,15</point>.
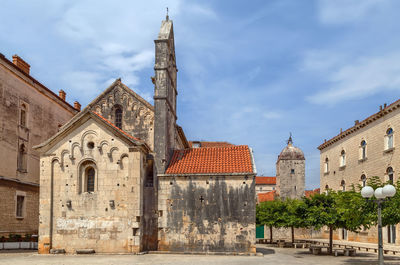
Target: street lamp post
<point>380,194</point>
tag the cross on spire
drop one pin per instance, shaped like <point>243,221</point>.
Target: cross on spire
<point>290,140</point>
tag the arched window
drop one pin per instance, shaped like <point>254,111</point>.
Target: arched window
<point>326,188</point>
<point>326,165</point>
<point>343,184</point>
<point>21,161</point>
<point>22,115</point>
<point>363,150</point>
<point>363,180</point>
<point>389,138</point>
<point>87,177</point>
<point>118,117</point>
<point>389,172</point>
<point>342,158</point>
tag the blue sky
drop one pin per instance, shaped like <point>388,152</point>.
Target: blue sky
<point>250,72</point>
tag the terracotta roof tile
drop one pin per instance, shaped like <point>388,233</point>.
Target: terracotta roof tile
<point>235,159</point>
<point>210,144</point>
<point>261,180</point>
<point>112,124</point>
<point>309,193</point>
<point>268,196</point>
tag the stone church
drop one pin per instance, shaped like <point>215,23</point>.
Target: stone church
<point>121,177</point>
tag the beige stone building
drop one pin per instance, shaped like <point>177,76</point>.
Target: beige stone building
<point>367,149</point>
<point>120,177</point>
<point>29,114</point>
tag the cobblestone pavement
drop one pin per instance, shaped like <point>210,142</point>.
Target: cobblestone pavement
<point>271,256</point>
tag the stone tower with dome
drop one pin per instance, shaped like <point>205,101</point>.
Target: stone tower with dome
<point>290,172</point>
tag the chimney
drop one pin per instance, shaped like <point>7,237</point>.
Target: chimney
<point>62,94</point>
<point>384,105</point>
<point>77,106</point>
<point>341,130</point>
<point>21,64</point>
<point>356,122</point>
<point>380,107</point>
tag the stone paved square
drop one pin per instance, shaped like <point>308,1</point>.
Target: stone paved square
<point>271,256</point>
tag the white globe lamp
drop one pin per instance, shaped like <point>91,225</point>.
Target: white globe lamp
<point>367,192</point>
<point>389,190</point>
<point>379,193</point>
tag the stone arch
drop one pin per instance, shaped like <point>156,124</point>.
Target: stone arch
<point>73,146</point>
<point>85,134</point>
<point>110,153</point>
<point>82,178</point>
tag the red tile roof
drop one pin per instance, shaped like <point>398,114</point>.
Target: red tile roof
<point>261,180</point>
<point>309,193</point>
<point>112,124</point>
<point>210,144</point>
<point>268,196</point>
<point>235,159</point>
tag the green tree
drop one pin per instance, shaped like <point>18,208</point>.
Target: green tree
<point>269,213</point>
<point>295,215</point>
<point>338,210</point>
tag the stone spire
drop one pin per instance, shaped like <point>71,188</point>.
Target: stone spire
<point>165,93</point>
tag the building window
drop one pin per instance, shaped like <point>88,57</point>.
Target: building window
<point>363,150</point>
<point>326,189</point>
<point>90,175</point>
<point>21,159</point>
<point>22,115</point>
<point>343,184</point>
<point>20,206</point>
<point>292,171</point>
<point>389,138</point>
<point>342,158</point>
<point>118,117</point>
<point>363,180</point>
<point>389,172</point>
<point>326,165</point>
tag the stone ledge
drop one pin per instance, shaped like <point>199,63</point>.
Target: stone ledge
<point>57,251</point>
<point>85,251</point>
<point>207,253</point>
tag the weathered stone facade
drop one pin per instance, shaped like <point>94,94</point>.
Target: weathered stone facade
<point>73,217</point>
<point>29,114</point>
<point>105,184</point>
<point>207,213</point>
<point>360,152</point>
<point>290,172</point>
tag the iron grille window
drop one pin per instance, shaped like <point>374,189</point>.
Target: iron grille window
<point>118,118</point>
<point>20,206</point>
<point>90,179</point>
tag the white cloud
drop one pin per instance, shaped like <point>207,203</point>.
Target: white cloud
<point>356,78</point>
<point>345,11</point>
<point>272,115</point>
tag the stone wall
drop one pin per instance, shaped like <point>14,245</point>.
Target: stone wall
<point>44,114</point>
<point>378,159</point>
<point>107,219</point>
<point>290,184</point>
<point>207,214</point>
<point>10,223</point>
<point>138,114</point>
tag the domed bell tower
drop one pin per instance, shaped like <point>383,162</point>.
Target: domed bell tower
<point>290,172</point>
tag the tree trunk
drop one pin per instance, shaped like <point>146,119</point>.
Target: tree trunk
<point>330,239</point>
<point>270,234</point>
<point>292,235</point>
